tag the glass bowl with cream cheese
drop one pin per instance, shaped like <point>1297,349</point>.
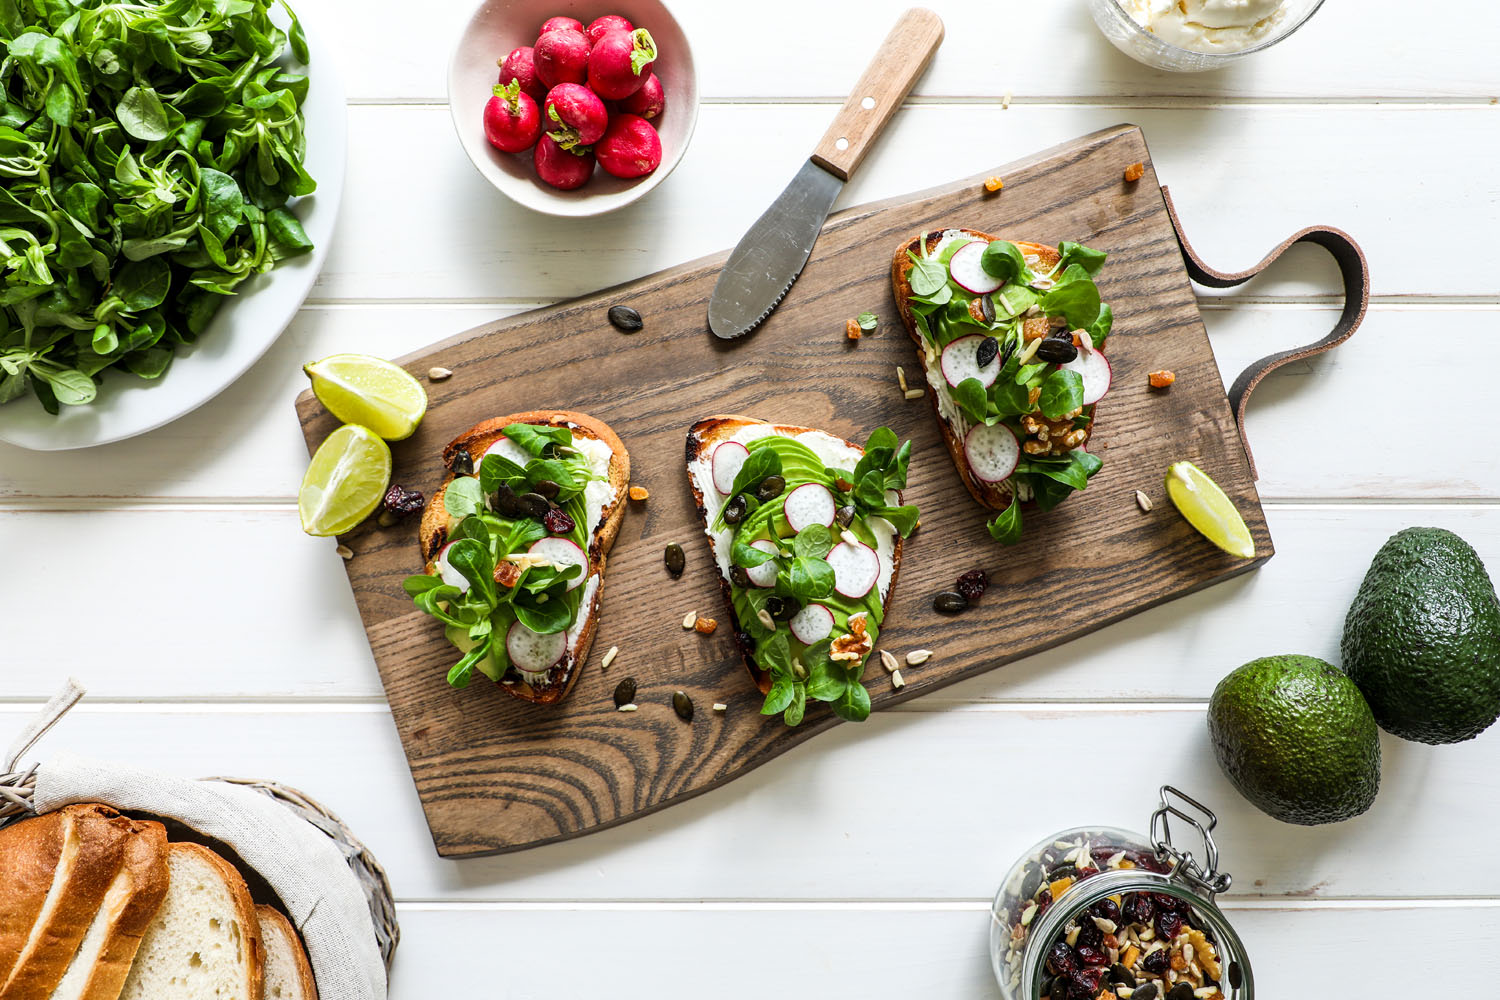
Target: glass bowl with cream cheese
<point>1189,36</point>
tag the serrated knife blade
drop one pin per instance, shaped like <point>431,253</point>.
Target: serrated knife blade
<point>768,259</point>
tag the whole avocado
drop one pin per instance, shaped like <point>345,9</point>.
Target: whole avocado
<point>1422,639</point>
<point>1295,736</point>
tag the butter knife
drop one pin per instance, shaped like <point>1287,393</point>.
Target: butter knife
<point>769,257</point>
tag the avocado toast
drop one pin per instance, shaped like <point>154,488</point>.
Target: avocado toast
<point>807,530</point>
<point>1011,339</point>
<point>515,544</point>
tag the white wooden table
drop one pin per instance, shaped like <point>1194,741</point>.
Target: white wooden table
<point>169,573</point>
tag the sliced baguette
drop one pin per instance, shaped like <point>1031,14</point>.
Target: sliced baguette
<point>288,975</point>
<point>103,960</point>
<point>204,943</point>
<point>76,857</point>
<point>703,437</point>
<point>995,496</point>
<point>433,534</point>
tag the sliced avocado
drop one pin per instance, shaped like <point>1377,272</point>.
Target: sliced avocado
<point>1297,739</point>
<point>1422,639</point>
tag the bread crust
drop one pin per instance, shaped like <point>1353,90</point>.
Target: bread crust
<point>29,855</point>
<point>995,496</point>
<point>270,917</point>
<point>102,835</point>
<point>244,910</point>
<point>702,437</point>
<point>146,864</point>
<point>433,532</point>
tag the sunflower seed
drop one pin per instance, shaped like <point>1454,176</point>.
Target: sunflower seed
<point>897,681</point>
<point>914,393</point>
<point>345,552</point>
<point>629,707</point>
<point>888,660</point>
<point>850,537</point>
<point>719,706</point>
<point>438,374</point>
<point>766,619</point>
<point>1105,925</point>
<point>917,657</point>
<point>1142,501</point>
<point>901,377</point>
<point>1028,915</point>
<point>690,620</point>
<point>609,657</point>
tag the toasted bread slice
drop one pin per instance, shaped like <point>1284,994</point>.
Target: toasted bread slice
<point>995,496</point>
<point>708,434</point>
<point>433,534</point>
<point>205,940</point>
<point>73,857</point>
<point>104,958</point>
<point>289,975</point>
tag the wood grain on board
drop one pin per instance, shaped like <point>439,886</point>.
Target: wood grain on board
<point>495,774</point>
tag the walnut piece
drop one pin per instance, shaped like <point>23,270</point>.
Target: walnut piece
<point>854,645</point>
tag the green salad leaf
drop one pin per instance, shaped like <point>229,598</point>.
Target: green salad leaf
<point>148,151</point>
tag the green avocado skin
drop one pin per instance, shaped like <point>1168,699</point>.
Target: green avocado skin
<point>1422,639</point>
<point>1296,738</point>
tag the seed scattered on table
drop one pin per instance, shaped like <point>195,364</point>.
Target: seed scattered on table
<point>705,626</point>
<point>609,657</point>
<point>950,603</point>
<point>629,707</point>
<point>345,552</point>
<point>683,706</point>
<point>897,681</point>
<point>901,377</point>
<point>914,393</point>
<point>889,661</point>
<point>689,620</point>
<point>1005,101</point>
<point>639,493</point>
<point>917,657</point>
<point>625,692</point>
<point>993,184</point>
<point>1135,172</point>
<point>719,706</point>
<point>438,374</point>
<point>1142,501</point>
<point>625,319</point>
<point>675,559</point>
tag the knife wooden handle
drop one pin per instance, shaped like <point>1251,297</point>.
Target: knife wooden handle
<point>888,79</point>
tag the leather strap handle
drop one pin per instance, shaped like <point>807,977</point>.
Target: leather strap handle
<point>1353,268</point>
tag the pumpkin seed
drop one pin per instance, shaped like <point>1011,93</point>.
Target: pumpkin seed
<point>1057,351</point>
<point>988,351</point>
<point>950,603</point>
<point>987,310</point>
<point>1147,992</point>
<point>1182,991</point>
<point>735,510</point>
<point>844,516</point>
<point>739,577</point>
<point>770,488</point>
<point>1235,975</point>
<point>625,319</point>
<point>675,559</point>
<point>625,692</point>
<point>683,706</point>
<point>547,489</point>
<point>462,464</point>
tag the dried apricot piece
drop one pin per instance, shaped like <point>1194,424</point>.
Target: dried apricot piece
<point>1135,172</point>
<point>993,184</point>
<point>1161,379</point>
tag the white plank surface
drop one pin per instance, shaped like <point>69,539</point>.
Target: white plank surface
<point>169,574</point>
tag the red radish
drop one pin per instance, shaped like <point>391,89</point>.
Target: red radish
<point>575,115</point>
<point>561,57</point>
<point>620,62</point>
<point>810,503</point>
<point>728,459</point>
<point>764,575</point>
<point>562,553</point>
<point>511,120</point>
<point>560,23</point>
<point>965,267</point>
<point>648,102</point>
<point>961,361</point>
<point>448,573</point>
<point>520,65</point>
<point>992,451</point>
<point>561,168</point>
<point>534,652</point>
<point>856,567</point>
<point>630,147</point>
<point>601,26</point>
<point>811,624</point>
<point>1094,368</point>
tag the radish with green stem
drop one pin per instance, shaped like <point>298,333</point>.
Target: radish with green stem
<point>575,115</point>
<point>620,62</point>
<point>649,101</point>
<point>629,148</point>
<point>511,120</point>
<point>561,56</point>
<point>601,26</point>
<point>519,65</point>
<point>561,168</point>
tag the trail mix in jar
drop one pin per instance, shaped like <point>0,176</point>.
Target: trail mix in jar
<point>1129,946</point>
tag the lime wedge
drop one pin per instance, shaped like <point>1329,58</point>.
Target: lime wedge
<point>1206,508</point>
<point>345,481</point>
<point>359,389</point>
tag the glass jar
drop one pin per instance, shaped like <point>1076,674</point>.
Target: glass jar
<point>1098,912</point>
<point>1144,46</point>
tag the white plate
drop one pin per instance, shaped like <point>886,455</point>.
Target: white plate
<point>244,328</point>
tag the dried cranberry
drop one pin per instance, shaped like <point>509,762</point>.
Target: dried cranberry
<point>1086,871</point>
<point>1106,908</point>
<point>1085,984</point>
<point>403,502</point>
<point>1092,955</point>
<point>972,585</point>
<point>1138,908</point>
<point>1089,935</point>
<point>1157,962</point>
<point>1150,862</point>
<point>1170,904</point>
<point>1061,960</point>
<point>1043,900</point>
<point>1168,925</point>
<point>557,521</point>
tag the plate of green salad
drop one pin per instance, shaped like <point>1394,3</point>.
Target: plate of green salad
<point>170,172</point>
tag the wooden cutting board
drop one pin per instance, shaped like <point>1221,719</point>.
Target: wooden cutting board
<point>495,774</point>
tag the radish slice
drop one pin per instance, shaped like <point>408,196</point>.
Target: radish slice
<point>728,459</point>
<point>449,573</point>
<point>562,553</point>
<point>967,270</point>
<point>811,624</point>
<point>533,652</point>
<point>856,567</point>
<point>1093,368</point>
<point>810,503</point>
<point>764,575</point>
<point>992,452</point>
<point>961,361</point>
<point>507,449</point>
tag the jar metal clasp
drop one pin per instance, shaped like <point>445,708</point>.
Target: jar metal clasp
<point>1203,876</point>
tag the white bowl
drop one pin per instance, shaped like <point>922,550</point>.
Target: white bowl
<point>499,26</point>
